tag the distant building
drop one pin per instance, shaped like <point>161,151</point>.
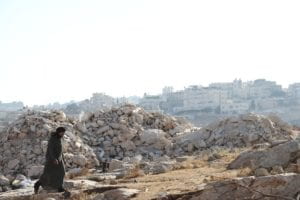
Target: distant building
<point>102,100</point>
<point>203,98</point>
<point>172,101</point>
<point>294,90</point>
<point>262,88</point>
<point>151,102</point>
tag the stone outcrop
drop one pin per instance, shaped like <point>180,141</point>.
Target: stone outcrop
<point>278,156</point>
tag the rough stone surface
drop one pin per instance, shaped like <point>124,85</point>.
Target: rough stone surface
<point>115,165</point>
<point>280,155</point>
<point>35,171</point>
<point>76,187</point>
<point>261,172</point>
<point>12,164</point>
<point>158,167</point>
<point>273,187</point>
<point>117,194</point>
<point>277,170</point>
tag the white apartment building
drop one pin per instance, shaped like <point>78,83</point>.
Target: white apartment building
<point>197,97</point>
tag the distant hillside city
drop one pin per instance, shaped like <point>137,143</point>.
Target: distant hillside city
<point>200,104</point>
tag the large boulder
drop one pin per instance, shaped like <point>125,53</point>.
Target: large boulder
<point>280,155</point>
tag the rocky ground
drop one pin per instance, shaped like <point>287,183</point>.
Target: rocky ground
<point>154,156</point>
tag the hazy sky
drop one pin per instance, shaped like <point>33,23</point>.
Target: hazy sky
<point>62,50</point>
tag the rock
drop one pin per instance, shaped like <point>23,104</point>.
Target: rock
<point>80,160</point>
<point>183,158</point>
<point>44,145</point>
<point>279,155</point>
<point>158,167</point>
<point>117,194</point>
<point>115,165</point>
<point>74,172</point>
<point>13,164</point>
<point>277,170</point>
<point>152,136</point>
<point>5,188</point>
<point>35,171</point>
<point>201,144</point>
<point>21,182</point>
<point>99,177</point>
<point>136,159</point>
<point>190,147</point>
<point>283,186</point>
<point>4,181</point>
<point>80,184</point>
<point>103,129</point>
<point>128,145</point>
<point>292,168</point>
<point>261,172</point>
<point>214,156</point>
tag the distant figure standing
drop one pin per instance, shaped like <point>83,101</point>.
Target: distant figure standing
<point>103,161</point>
<point>54,170</point>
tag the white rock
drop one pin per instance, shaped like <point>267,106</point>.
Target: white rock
<point>151,136</point>
<point>80,160</point>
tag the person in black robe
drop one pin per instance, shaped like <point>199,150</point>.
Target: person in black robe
<point>54,170</point>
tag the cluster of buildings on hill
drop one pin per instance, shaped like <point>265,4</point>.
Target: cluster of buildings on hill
<point>217,99</point>
<point>237,97</point>
<point>228,98</point>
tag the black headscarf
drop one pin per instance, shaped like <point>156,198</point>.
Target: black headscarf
<point>59,130</point>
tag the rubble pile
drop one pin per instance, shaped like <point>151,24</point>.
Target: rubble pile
<point>241,131</point>
<point>23,144</point>
<point>128,131</point>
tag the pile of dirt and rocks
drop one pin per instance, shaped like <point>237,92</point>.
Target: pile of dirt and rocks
<point>137,142</point>
<point>24,142</point>
<point>128,131</point>
<point>241,131</point>
<point>284,186</point>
